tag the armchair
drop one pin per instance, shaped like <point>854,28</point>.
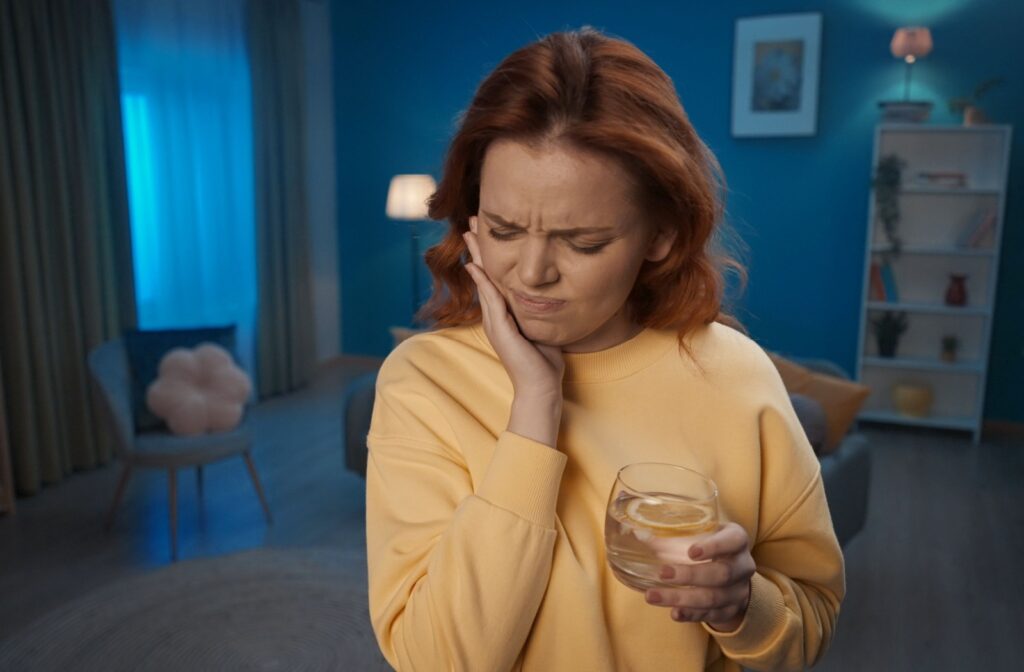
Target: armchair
<point>110,372</point>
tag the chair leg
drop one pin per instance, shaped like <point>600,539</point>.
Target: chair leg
<point>172,482</point>
<point>256,482</point>
<point>126,472</point>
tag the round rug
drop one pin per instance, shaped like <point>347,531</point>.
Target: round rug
<point>263,609</point>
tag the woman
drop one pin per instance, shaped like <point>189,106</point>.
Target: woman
<point>585,334</point>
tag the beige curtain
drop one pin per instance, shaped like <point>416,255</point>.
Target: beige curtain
<point>65,249</point>
<point>285,344</point>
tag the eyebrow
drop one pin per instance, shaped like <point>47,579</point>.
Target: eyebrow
<point>498,219</point>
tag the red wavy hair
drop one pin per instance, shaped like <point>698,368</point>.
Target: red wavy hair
<point>602,95</point>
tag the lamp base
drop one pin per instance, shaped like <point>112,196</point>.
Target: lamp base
<point>906,111</point>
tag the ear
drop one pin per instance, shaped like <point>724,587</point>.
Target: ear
<point>661,245</point>
<point>473,223</point>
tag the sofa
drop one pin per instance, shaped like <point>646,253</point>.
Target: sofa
<point>846,471</point>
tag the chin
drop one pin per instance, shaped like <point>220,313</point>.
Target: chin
<point>542,333</point>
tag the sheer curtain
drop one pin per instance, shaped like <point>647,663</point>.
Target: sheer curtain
<point>187,115</point>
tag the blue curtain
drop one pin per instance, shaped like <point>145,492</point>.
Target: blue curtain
<point>187,117</point>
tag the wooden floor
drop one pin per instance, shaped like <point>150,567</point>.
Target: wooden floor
<point>55,547</point>
<point>934,581</point>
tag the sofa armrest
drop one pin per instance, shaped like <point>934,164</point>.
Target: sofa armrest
<point>358,410</point>
<point>847,477</point>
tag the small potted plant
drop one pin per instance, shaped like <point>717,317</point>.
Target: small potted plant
<point>887,180</point>
<point>950,344</point>
<point>968,105</point>
<point>888,328</point>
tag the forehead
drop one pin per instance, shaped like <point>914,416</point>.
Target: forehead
<point>554,185</point>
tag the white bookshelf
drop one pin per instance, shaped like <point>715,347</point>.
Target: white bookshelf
<point>932,219</point>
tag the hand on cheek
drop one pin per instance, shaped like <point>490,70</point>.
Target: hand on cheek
<point>533,368</point>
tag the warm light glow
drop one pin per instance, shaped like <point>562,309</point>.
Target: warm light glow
<point>407,196</point>
<point>911,43</point>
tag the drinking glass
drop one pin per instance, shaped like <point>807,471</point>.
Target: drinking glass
<point>655,513</point>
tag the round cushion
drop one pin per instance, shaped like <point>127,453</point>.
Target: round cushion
<point>199,390</point>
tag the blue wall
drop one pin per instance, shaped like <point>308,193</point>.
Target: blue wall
<point>404,71</point>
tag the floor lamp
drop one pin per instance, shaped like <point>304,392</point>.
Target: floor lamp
<point>407,201</point>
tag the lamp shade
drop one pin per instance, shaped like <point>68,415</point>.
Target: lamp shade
<point>407,196</point>
<point>911,42</point>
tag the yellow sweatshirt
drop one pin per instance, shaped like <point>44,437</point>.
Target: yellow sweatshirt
<point>485,549</point>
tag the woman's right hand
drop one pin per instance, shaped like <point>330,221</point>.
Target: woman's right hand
<point>535,370</point>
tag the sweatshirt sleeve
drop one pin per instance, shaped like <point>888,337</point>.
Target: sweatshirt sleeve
<point>800,582</point>
<point>457,569</point>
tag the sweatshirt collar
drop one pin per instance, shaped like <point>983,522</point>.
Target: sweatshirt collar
<point>618,361</point>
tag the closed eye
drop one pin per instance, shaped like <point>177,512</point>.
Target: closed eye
<point>589,249</point>
<point>502,235</point>
<point>582,249</point>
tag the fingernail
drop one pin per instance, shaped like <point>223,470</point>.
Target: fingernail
<point>654,597</point>
<point>677,615</point>
<point>666,572</point>
<point>696,552</point>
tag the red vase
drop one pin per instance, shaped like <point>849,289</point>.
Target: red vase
<point>956,293</point>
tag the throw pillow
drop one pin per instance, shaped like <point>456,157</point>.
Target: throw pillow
<point>145,349</point>
<point>199,391</point>
<point>812,419</point>
<point>840,398</point>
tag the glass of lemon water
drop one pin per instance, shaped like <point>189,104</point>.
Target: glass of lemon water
<point>655,513</point>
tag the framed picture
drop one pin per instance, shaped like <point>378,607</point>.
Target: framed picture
<point>775,75</point>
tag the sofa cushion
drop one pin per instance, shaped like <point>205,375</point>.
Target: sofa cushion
<point>841,399</point>
<point>812,418</point>
<point>145,349</point>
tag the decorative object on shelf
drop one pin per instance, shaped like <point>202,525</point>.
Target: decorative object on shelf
<point>892,292</point>
<point>950,344</point>
<point>909,43</point>
<point>968,105</point>
<point>956,292</point>
<point>950,179</point>
<point>887,180</point>
<point>888,328</point>
<point>407,201</point>
<point>876,289</point>
<point>912,399</point>
<point>775,75</point>
<point>977,231</point>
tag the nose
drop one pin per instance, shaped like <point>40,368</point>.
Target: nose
<point>536,265</point>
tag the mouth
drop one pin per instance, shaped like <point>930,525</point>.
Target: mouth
<point>537,304</point>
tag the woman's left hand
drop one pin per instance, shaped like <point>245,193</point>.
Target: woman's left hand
<point>716,592</point>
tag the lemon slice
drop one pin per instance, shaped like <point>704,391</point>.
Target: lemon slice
<point>664,517</point>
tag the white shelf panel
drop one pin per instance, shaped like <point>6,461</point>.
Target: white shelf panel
<point>923,339</point>
<point>919,364</point>
<point>940,251</point>
<point>942,128</point>
<point>940,422</point>
<point>980,156</point>
<point>954,395</point>
<point>936,309</point>
<point>925,190</point>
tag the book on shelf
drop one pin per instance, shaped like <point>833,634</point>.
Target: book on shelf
<point>876,288</point>
<point>941,178</point>
<point>978,231</point>
<point>889,283</point>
